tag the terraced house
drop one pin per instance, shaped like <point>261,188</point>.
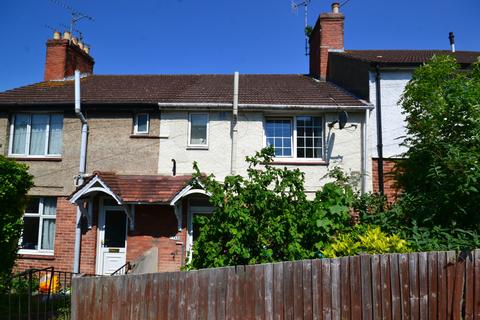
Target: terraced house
<point>112,154</point>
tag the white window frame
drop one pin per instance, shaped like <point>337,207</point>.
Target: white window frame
<point>28,138</point>
<point>41,216</point>
<point>293,157</point>
<point>198,146</point>
<point>135,126</point>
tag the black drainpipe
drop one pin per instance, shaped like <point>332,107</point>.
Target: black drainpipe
<point>378,108</point>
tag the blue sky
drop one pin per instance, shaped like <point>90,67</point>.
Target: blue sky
<point>220,36</point>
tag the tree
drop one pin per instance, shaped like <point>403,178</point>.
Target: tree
<point>440,175</point>
<point>15,181</point>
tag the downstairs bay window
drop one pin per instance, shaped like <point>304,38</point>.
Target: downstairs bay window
<point>298,137</point>
<point>36,134</point>
<point>39,226</point>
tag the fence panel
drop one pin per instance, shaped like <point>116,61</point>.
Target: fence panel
<point>435,285</point>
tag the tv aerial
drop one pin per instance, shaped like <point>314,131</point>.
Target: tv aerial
<point>76,16</point>
<point>295,7</point>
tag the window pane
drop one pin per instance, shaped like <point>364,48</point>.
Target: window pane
<point>30,233</point>
<point>309,137</point>
<point>198,129</point>
<point>279,134</point>
<point>49,206</point>
<point>38,133</point>
<point>56,129</point>
<point>33,205</point>
<point>115,228</point>
<point>20,133</point>
<point>142,123</point>
<point>48,234</point>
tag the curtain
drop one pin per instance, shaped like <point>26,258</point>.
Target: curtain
<point>38,133</point>
<point>48,234</point>
<point>56,129</point>
<point>20,133</point>
<point>198,129</point>
<point>49,206</point>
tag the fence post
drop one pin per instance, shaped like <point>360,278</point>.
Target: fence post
<point>29,301</point>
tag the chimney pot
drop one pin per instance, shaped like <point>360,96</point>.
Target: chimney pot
<point>75,40</point>
<point>56,35</point>
<point>86,49</point>
<point>66,35</point>
<point>80,44</point>
<point>335,7</point>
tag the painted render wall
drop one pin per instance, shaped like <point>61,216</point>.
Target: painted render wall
<point>393,122</point>
<point>344,145</point>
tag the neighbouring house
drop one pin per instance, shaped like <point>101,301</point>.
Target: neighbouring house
<point>144,133</point>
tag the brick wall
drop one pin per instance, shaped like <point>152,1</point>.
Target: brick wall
<point>154,225</point>
<point>63,58</point>
<point>391,191</point>
<point>328,34</point>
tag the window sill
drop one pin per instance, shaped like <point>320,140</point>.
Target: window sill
<point>38,158</point>
<point>143,136</point>
<point>299,162</point>
<point>36,255</point>
<point>197,147</point>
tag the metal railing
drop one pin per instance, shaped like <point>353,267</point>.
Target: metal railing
<point>36,294</point>
<point>126,268</point>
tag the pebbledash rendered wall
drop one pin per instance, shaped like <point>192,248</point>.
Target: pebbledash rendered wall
<point>344,147</point>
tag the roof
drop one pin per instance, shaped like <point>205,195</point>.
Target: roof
<point>268,89</point>
<point>406,57</point>
<point>142,188</point>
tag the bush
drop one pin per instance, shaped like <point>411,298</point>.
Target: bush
<point>15,181</point>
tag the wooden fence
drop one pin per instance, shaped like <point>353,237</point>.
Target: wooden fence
<point>433,285</point>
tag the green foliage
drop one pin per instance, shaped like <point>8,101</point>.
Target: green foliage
<point>365,239</point>
<point>266,216</point>
<point>441,173</point>
<point>15,181</point>
<point>308,31</point>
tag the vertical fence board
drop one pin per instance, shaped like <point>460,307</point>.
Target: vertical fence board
<point>230,297</point>
<point>476,293</point>
<point>385,287</point>
<point>423,284</point>
<point>326,290</point>
<point>250,292</point>
<point>240,292</point>
<point>221,293</point>
<point>459,286</point>
<point>268,291</point>
<point>376,287</point>
<point>414,286</point>
<point>317,289</point>
<point>152,311</point>
<point>366,287</point>
<point>395,286</point>
<point>307,289</point>
<point>191,284</point>
<point>288,290</point>
<point>404,285</point>
<point>298,290</point>
<point>202,304</point>
<point>212,293</point>
<point>469,285</point>
<point>335,279</point>
<point>450,282</point>
<point>172,296</point>
<point>278,291</point>
<point>182,296</point>
<point>432,284</point>
<point>259,292</point>
<point>442,285</point>
<point>355,286</point>
<point>345,288</point>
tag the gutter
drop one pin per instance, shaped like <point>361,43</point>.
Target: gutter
<point>262,107</point>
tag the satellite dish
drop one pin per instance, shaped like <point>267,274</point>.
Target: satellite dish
<point>342,119</point>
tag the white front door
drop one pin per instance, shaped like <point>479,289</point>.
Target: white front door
<point>112,240</point>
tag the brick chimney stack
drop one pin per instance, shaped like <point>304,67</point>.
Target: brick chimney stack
<point>65,55</point>
<point>327,35</point>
